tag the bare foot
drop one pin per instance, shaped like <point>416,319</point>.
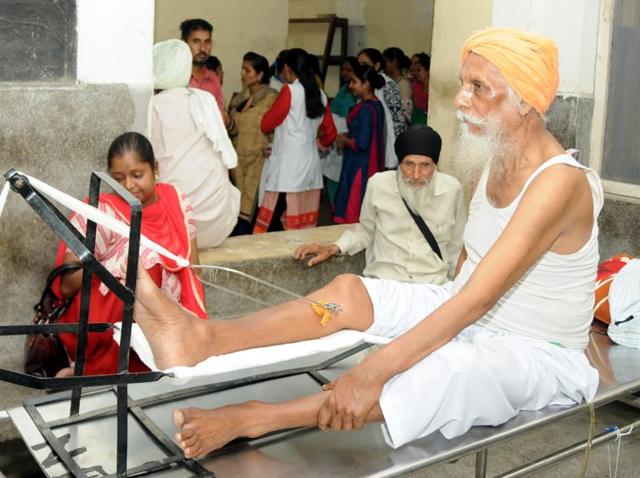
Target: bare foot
<point>203,431</point>
<point>176,337</point>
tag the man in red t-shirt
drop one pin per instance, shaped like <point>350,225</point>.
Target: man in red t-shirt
<point>197,34</point>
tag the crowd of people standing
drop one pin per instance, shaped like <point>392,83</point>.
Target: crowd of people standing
<point>291,141</point>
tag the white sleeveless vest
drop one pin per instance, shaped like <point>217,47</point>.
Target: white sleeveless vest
<point>553,300</point>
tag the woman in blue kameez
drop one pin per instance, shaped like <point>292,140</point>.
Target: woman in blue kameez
<point>341,104</point>
<point>363,145</point>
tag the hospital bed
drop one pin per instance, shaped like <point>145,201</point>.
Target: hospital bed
<point>120,425</point>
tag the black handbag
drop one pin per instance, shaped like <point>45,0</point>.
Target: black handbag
<point>44,354</point>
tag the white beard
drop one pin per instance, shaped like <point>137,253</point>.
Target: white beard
<point>474,151</point>
<point>416,196</point>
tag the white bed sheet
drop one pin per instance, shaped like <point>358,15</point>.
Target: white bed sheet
<point>250,358</point>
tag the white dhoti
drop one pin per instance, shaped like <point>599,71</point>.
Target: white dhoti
<point>481,377</point>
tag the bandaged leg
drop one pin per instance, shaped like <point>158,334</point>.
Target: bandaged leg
<point>482,378</point>
<point>177,338</point>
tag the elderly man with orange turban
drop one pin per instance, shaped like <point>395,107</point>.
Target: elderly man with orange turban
<point>508,334</point>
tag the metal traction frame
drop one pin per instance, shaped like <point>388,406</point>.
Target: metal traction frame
<point>83,247</point>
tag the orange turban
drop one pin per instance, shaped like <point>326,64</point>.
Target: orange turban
<point>529,62</point>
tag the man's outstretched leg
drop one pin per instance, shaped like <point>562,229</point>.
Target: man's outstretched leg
<point>178,338</point>
<point>203,431</point>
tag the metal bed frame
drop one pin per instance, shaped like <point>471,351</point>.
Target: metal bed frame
<point>319,454</point>
<point>46,433</point>
<point>83,247</point>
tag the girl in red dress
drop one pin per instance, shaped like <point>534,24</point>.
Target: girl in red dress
<point>165,220</point>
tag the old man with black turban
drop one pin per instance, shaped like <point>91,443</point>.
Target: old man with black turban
<point>411,220</point>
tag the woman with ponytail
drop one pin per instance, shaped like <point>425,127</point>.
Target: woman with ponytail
<point>301,121</point>
<point>363,146</point>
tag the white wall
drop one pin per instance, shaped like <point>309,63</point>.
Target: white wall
<point>453,22</point>
<point>115,45</point>
<point>115,40</point>
<point>573,24</point>
<point>239,26</point>
<point>353,10</point>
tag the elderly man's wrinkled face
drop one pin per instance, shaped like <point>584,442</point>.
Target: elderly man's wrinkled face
<point>417,170</point>
<point>489,111</point>
<point>484,99</point>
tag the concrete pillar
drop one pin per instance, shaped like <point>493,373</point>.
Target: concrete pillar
<point>453,22</point>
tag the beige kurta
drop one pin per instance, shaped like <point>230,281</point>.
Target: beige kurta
<point>396,249</point>
<point>187,160</point>
<point>250,143</point>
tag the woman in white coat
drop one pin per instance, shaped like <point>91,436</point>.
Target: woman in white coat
<point>302,123</point>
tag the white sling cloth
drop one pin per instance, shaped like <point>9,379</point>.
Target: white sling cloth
<point>3,196</point>
<point>89,212</point>
<point>251,358</point>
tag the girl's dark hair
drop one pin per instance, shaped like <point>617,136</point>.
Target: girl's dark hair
<point>212,63</point>
<point>368,73</point>
<point>260,64</point>
<point>374,55</point>
<point>394,53</point>
<point>276,66</point>
<point>424,60</point>
<point>298,60</point>
<point>134,142</point>
<point>352,60</point>
<point>314,63</point>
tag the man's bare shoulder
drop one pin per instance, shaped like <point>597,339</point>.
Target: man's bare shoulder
<point>562,194</point>
<point>562,179</point>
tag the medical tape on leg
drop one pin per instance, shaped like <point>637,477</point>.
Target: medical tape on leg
<point>321,310</point>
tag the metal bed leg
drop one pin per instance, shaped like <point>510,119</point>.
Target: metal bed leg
<point>122,436</point>
<point>481,463</point>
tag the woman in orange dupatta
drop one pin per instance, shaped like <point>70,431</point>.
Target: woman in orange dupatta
<point>165,220</point>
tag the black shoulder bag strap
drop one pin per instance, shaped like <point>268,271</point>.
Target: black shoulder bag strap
<point>424,229</point>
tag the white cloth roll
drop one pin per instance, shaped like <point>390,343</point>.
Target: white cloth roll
<point>97,216</point>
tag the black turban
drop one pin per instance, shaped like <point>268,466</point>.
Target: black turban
<point>418,139</point>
